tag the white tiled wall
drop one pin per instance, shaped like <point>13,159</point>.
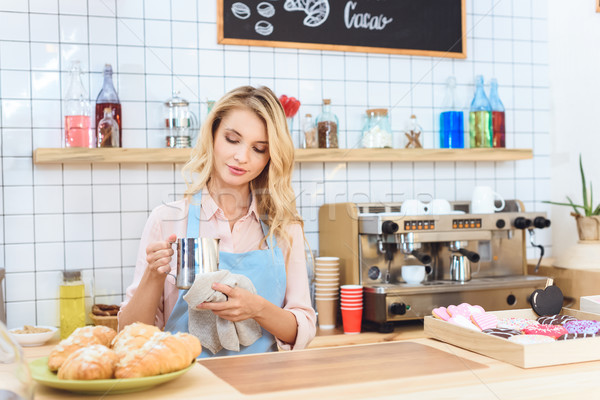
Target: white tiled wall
<point>90,217</point>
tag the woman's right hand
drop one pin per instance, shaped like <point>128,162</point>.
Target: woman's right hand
<point>158,256</point>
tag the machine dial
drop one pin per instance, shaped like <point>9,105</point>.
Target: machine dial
<point>500,224</point>
<point>374,273</point>
<point>398,308</point>
<point>389,227</point>
<point>522,223</point>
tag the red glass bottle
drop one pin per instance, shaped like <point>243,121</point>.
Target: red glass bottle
<point>498,115</point>
<point>108,98</point>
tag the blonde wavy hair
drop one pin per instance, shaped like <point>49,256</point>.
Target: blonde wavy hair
<point>272,189</point>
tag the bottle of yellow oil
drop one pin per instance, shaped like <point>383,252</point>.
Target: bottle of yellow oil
<point>72,303</point>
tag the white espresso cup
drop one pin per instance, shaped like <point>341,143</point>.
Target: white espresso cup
<point>483,200</point>
<point>413,273</point>
<point>440,207</point>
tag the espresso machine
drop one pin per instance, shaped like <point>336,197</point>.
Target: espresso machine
<point>473,258</point>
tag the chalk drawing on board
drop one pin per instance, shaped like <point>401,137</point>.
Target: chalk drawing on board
<point>240,10</point>
<point>265,9</point>
<point>316,11</point>
<point>263,28</point>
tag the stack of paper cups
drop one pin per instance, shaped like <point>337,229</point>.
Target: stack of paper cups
<point>352,308</point>
<point>327,286</point>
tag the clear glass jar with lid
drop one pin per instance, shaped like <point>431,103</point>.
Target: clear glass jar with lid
<point>376,132</point>
<point>327,127</point>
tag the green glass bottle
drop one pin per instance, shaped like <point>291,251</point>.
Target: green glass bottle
<point>480,118</point>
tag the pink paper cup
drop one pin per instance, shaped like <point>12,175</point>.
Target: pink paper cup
<point>352,319</point>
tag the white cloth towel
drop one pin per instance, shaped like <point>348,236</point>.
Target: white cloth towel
<point>215,332</point>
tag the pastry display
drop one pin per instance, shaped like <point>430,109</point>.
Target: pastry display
<point>162,354</point>
<point>92,362</point>
<point>81,337</point>
<point>132,337</point>
<point>516,323</point>
<point>570,336</point>
<point>553,331</point>
<point>484,320</point>
<point>504,333</point>
<point>105,310</point>
<point>583,326</point>
<point>558,319</point>
<point>139,350</point>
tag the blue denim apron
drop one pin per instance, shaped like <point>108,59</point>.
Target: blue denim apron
<point>265,268</point>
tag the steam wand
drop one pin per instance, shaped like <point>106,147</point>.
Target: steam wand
<point>539,246</point>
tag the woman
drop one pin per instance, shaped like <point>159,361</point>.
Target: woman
<point>239,188</point>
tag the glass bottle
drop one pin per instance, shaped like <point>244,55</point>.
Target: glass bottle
<point>107,132</point>
<point>499,132</point>
<point>310,132</point>
<point>72,303</point>
<point>15,378</point>
<point>108,98</point>
<point>77,111</point>
<point>413,134</point>
<point>327,127</point>
<point>376,131</point>
<point>480,118</point>
<point>451,119</point>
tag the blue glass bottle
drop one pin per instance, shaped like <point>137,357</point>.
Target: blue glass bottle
<point>480,118</point>
<point>451,119</point>
<point>499,130</point>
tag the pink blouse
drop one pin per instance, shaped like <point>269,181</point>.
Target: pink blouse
<point>247,233</point>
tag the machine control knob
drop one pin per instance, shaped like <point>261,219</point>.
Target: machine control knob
<point>500,224</point>
<point>398,308</point>
<point>389,227</point>
<point>541,222</point>
<point>522,223</point>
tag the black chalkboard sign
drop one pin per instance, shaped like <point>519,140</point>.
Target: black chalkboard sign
<point>419,27</point>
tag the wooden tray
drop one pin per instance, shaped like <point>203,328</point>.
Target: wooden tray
<point>524,356</point>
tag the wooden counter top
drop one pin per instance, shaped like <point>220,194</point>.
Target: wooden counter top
<point>419,368</point>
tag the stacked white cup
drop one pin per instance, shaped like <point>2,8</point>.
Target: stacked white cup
<point>327,286</point>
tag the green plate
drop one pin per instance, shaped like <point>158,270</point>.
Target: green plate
<point>41,373</point>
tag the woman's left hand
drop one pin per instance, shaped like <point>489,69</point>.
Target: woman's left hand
<point>240,304</point>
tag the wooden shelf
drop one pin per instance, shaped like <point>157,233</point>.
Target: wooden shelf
<point>130,155</point>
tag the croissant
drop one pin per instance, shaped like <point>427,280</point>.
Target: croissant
<point>93,362</point>
<point>132,337</point>
<point>81,337</point>
<point>162,354</point>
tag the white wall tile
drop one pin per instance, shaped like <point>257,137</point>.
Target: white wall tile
<point>14,26</point>
<point>48,312</point>
<point>49,256</point>
<point>78,255</point>
<point>130,8</point>
<point>102,30</point>
<point>73,29</point>
<point>78,199</point>
<point>16,113</point>
<point>107,253</point>
<point>43,6</point>
<point>106,8</point>
<point>106,198</point>
<point>78,226</point>
<point>44,27</point>
<point>20,228</point>
<point>20,313</point>
<point>44,56</point>
<point>20,286</point>
<point>47,284</point>
<point>48,228</point>
<point>107,226</point>
<point>132,224</point>
<point>19,257</point>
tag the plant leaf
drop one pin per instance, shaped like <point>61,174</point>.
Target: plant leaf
<point>575,206</point>
<point>585,199</point>
<point>591,199</point>
<point>597,210</point>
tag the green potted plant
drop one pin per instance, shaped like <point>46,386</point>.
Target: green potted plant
<point>587,215</point>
